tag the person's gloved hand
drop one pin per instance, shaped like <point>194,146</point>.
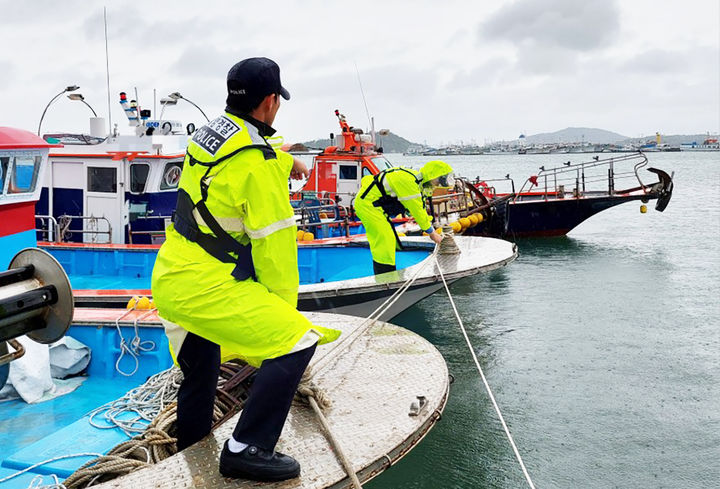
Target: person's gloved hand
<point>436,237</point>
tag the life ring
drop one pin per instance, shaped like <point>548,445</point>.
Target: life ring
<point>172,176</point>
<point>486,190</point>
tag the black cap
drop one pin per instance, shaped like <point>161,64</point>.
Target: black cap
<point>251,80</point>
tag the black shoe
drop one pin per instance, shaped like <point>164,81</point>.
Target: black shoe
<point>257,464</point>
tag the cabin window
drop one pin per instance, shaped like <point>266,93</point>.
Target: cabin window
<point>348,172</point>
<point>102,179</point>
<point>382,163</point>
<point>171,176</point>
<point>24,174</point>
<point>138,177</point>
<point>366,171</point>
<point>4,163</point>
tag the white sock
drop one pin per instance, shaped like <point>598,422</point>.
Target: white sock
<point>236,446</point>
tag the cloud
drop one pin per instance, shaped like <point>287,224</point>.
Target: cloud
<point>654,61</point>
<point>567,24</point>
<point>7,70</point>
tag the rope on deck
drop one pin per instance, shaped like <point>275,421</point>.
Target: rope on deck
<point>45,462</point>
<point>155,442</point>
<point>318,400</point>
<point>482,375</point>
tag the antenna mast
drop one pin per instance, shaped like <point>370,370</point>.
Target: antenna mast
<point>107,71</point>
<point>362,92</point>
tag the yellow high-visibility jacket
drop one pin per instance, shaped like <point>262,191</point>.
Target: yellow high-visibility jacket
<point>247,194</point>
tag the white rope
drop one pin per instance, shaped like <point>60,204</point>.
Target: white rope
<point>345,341</point>
<point>38,482</point>
<point>137,346</point>
<point>44,462</point>
<point>482,375</point>
<point>146,401</point>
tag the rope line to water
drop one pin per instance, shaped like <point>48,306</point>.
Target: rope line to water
<point>311,394</point>
<point>482,375</point>
<point>373,317</point>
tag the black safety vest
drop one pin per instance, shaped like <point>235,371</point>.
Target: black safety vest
<point>221,245</point>
<point>390,204</point>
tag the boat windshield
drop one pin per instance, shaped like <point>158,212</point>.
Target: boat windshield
<point>382,163</point>
<point>19,174</point>
<point>73,139</point>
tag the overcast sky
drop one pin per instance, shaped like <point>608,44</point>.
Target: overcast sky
<point>435,71</point>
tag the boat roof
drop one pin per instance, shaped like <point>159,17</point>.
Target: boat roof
<point>12,138</point>
<point>372,383</point>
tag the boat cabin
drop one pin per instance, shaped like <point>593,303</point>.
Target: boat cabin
<point>23,159</point>
<point>113,188</point>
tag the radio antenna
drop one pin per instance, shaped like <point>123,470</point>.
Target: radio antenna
<point>362,92</point>
<point>107,71</point>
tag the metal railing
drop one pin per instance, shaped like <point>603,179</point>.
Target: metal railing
<point>64,231</point>
<point>598,175</point>
<point>310,216</point>
<point>153,233</point>
<point>48,233</point>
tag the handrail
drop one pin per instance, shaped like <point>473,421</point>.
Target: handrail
<point>554,179</point>
<point>65,230</point>
<point>53,235</point>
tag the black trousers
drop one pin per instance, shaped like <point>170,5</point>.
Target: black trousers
<point>379,268</point>
<point>266,408</point>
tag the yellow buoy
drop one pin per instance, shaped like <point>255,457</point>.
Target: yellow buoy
<point>132,302</point>
<point>300,234</point>
<point>143,303</point>
<point>464,222</point>
<point>308,237</point>
<point>480,218</point>
<point>439,230</point>
<point>456,226</point>
<point>643,209</point>
<point>473,220</point>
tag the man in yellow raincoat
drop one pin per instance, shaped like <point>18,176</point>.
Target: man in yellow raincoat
<point>226,279</point>
<point>392,192</point>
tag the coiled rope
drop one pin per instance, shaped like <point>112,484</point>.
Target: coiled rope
<point>145,401</point>
<point>136,345</point>
<point>155,400</point>
<point>482,375</point>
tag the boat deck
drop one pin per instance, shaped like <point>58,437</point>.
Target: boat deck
<point>372,384</point>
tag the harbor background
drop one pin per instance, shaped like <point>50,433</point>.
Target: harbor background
<point>601,347</point>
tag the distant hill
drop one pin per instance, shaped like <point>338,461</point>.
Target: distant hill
<point>576,135</point>
<point>392,143</point>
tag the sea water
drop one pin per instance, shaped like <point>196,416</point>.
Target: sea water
<point>602,348</point>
